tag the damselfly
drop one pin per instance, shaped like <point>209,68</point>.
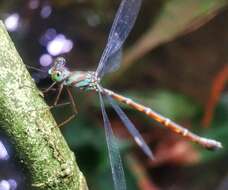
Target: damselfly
<point>110,60</point>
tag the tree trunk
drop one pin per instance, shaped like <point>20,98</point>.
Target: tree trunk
<point>28,123</point>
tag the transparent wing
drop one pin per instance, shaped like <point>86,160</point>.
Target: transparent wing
<point>131,128</point>
<point>114,154</point>
<point>113,62</point>
<point>122,25</point>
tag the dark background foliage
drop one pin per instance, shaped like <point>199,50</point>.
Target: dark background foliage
<point>175,61</point>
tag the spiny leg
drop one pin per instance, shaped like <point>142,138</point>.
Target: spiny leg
<point>35,69</point>
<point>49,88</point>
<point>60,105</point>
<point>41,92</point>
<point>58,95</point>
<point>57,98</point>
<point>72,100</point>
<point>51,107</point>
<point>73,106</point>
<point>52,89</point>
<point>40,70</point>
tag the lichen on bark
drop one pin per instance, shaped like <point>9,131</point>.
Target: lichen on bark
<point>27,121</point>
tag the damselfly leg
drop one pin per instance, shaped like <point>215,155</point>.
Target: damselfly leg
<point>58,95</point>
<point>74,108</point>
<point>35,69</point>
<point>55,104</point>
<point>49,88</point>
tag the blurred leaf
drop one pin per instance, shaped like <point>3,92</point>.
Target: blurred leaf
<point>81,132</point>
<point>84,134</point>
<point>91,151</point>
<point>170,104</point>
<point>176,18</point>
<point>103,180</point>
<point>179,152</point>
<point>173,105</point>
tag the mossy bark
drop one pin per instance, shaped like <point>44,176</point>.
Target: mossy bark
<point>27,121</point>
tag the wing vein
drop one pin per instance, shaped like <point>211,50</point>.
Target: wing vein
<point>113,150</point>
<point>122,25</point>
<point>131,128</point>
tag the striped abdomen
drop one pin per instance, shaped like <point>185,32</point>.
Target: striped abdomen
<point>207,143</point>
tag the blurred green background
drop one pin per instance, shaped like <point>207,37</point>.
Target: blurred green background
<point>175,61</point>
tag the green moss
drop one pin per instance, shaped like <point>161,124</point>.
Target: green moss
<point>28,123</point>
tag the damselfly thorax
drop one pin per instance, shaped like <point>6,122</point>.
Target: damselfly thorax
<point>84,80</point>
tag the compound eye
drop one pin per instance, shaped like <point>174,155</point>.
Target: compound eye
<point>58,74</point>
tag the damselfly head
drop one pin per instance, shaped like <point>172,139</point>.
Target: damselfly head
<point>58,71</point>
<point>60,61</point>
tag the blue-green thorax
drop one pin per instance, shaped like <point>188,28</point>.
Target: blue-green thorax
<point>83,80</point>
<point>80,79</point>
